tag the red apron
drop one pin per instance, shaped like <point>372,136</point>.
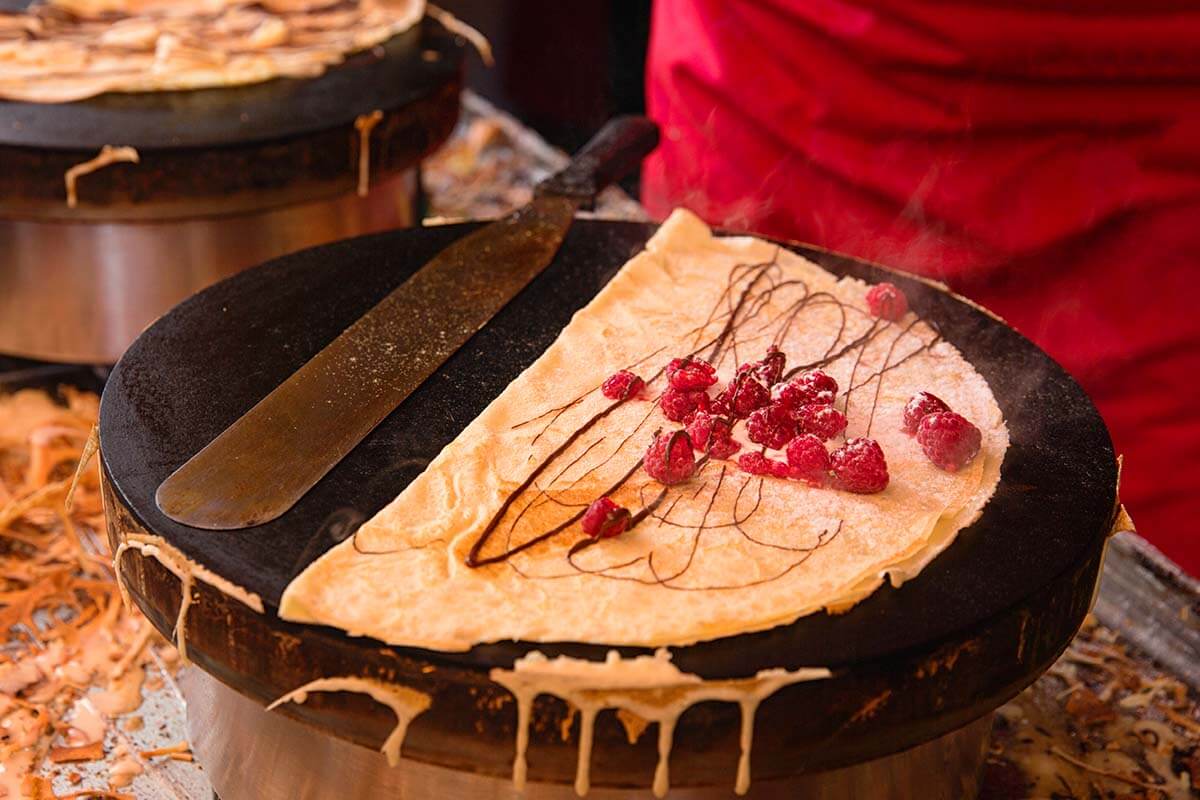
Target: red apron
<point>1042,158</point>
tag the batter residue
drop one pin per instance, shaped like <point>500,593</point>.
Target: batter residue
<point>650,687</point>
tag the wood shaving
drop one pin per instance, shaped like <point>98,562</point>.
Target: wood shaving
<point>68,636</point>
<point>1076,733</point>
<point>182,748</point>
<point>1106,773</point>
<point>36,788</point>
<point>87,752</point>
<point>90,447</point>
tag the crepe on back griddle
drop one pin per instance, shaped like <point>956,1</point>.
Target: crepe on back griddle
<point>724,553</point>
<point>67,50</point>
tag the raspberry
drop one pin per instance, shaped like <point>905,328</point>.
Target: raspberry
<point>949,439</point>
<point>622,385</point>
<point>808,459</point>
<point>745,394</point>
<point>711,434</point>
<point>679,405</point>
<point>769,369</point>
<point>690,373</point>
<point>886,301</point>
<point>719,405</point>
<point>918,406</point>
<point>771,426</point>
<point>859,466</point>
<point>758,464</point>
<point>604,519</point>
<point>669,458</point>
<point>813,386</point>
<point>824,422</point>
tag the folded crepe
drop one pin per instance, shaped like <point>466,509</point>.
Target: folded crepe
<point>722,553</point>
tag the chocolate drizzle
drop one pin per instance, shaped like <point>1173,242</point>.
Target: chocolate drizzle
<point>740,312</point>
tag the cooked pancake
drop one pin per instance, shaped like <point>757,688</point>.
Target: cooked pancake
<point>486,544</point>
<point>67,50</point>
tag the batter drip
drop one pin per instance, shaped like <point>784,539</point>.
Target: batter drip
<point>406,703</point>
<point>650,687</point>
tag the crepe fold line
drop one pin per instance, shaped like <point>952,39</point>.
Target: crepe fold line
<point>725,553</point>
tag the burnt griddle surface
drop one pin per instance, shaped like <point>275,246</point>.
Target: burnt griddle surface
<point>277,109</point>
<point>209,360</point>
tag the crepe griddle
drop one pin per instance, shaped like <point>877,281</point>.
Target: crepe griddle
<point>223,149</point>
<point>975,627</point>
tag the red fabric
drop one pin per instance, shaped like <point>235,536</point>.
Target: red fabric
<point>1041,157</point>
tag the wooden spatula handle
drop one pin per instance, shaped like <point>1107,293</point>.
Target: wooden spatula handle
<point>619,146</point>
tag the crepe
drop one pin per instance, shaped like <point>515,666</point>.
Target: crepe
<point>725,552</point>
<point>67,50</point>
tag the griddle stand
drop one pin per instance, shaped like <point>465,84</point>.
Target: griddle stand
<point>1010,593</point>
<point>81,292</point>
<point>249,753</point>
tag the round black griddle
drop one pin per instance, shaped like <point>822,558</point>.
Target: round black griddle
<point>980,623</point>
<point>286,139</point>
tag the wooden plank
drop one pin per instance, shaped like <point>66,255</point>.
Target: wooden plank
<point>1152,603</point>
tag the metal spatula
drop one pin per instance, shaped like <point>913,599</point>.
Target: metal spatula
<point>263,463</point>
